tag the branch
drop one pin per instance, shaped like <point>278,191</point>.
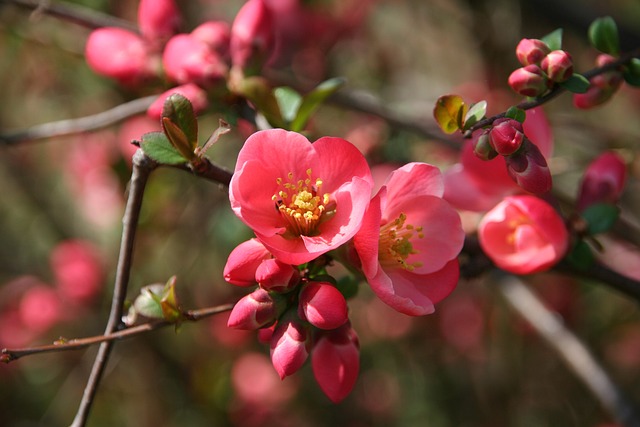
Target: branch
<point>574,353</point>
<point>79,125</point>
<point>10,355</point>
<point>142,167</point>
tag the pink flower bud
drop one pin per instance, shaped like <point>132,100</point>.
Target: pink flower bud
<point>243,262</point>
<point>483,149</point>
<point>253,311</point>
<point>194,93</point>
<point>288,347</point>
<point>593,97</point>
<point>335,360</point>
<point>77,270</point>
<point>215,34</point>
<point>189,60</point>
<point>558,66</point>
<point>523,235</point>
<point>119,54</point>
<point>603,181</point>
<point>603,86</point>
<point>158,19</point>
<point>40,308</point>
<point>531,51</point>
<point>276,276</point>
<point>528,168</point>
<point>322,305</point>
<point>506,136</point>
<point>252,36</point>
<point>529,81</point>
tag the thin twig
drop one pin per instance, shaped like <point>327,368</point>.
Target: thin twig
<point>570,348</point>
<point>10,355</point>
<point>142,167</point>
<point>79,125</point>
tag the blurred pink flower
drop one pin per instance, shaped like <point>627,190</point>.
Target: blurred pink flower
<point>301,199</point>
<point>187,59</point>
<point>194,93</point>
<point>215,34</point>
<point>132,129</point>
<point>603,181</point>
<point>409,241</point>
<point>158,19</point>
<point>255,382</point>
<point>77,270</point>
<point>252,36</point>
<point>40,308</point>
<point>523,235</point>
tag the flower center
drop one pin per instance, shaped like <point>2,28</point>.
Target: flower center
<point>394,246</point>
<point>302,204</point>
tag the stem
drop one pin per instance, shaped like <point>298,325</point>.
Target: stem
<point>142,167</point>
<point>10,355</point>
<point>574,353</point>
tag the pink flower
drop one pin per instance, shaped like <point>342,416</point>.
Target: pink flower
<point>531,51</point>
<point>558,65</point>
<point>523,235</point>
<point>158,19</point>
<point>301,199</point>
<point>529,81</point>
<point>603,181</point>
<point>40,308</point>
<point>194,93</point>
<point>335,360</point>
<point>189,60</point>
<point>254,311</point>
<point>506,136</point>
<point>409,241</point>
<point>322,305</point>
<point>252,36</point>
<point>243,262</point>
<point>215,34</point>
<point>77,269</point>
<point>289,347</point>
<point>276,276</point>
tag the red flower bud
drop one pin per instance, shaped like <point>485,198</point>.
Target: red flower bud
<point>215,34</point>
<point>252,36</point>
<point>243,262</point>
<point>506,136</point>
<point>531,51</point>
<point>189,60</point>
<point>158,19</point>
<point>322,305</point>
<point>483,149</point>
<point>529,81</point>
<point>558,65</point>
<point>253,311</point>
<point>528,168</point>
<point>276,276</point>
<point>603,181</point>
<point>288,347</point>
<point>194,93</point>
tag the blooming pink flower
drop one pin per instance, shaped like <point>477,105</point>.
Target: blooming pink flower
<point>335,360</point>
<point>409,241</point>
<point>603,181</point>
<point>194,93</point>
<point>158,19</point>
<point>523,235</point>
<point>243,262</point>
<point>301,199</point>
<point>288,347</point>
<point>322,305</point>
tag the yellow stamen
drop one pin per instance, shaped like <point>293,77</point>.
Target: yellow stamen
<point>394,246</point>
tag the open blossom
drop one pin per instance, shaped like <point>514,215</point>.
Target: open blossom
<point>409,241</point>
<point>523,235</point>
<point>300,199</point>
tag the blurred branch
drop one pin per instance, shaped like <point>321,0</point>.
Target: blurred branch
<point>77,14</point>
<point>79,125</point>
<point>10,355</point>
<point>570,348</point>
<point>142,168</point>
<point>611,278</point>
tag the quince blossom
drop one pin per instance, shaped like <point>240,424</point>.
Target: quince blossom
<point>300,199</point>
<point>409,241</point>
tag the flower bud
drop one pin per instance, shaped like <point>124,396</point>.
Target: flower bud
<point>194,93</point>
<point>215,34</point>
<point>288,347</point>
<point>603,86</point>
<point>276,276</point>
<point>528,168</point>
<point>529,81</point>
<point>243,262</point>
<point>531,51</point>
<point>482,147</point>
<point>558,66</point>
<point>603,181</point>
<point>523,235</point>
<point>335,360</point>
<point>189,60</point>
<point>40,308</point>
<point>252,36</point>
<point>158,20</point>
<point>506,136</point>
<point>77,269</point>
<point>322,305</point>
<point>253,311</point>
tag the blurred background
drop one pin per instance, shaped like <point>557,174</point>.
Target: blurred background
<point>472,363</point>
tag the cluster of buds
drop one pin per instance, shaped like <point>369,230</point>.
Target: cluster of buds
<point>299,314</point>
<point>541,68</point>
<point>602,87</point>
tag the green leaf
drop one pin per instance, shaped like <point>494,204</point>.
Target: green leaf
<point>157,146</point>
<point>553,39</point>
<point>603,35</point>
<point>258,90</point>
<point>600,217</point>
<point>178,139</point>
<point>516,113</point>
<point>632,72</point>
<point>449,113</point>
<point>147,303</point>
<point>169,303</point>
<point>313,100</point>
<point>289,101</point>
<point>577,83</point>
<point>581,256</point>
<point>475,114</point>
<point>178,109</point>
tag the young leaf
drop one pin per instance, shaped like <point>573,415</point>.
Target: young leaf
<point>157,146</point>
<point>600,217</point>
<point>178,109</point>
<point>147,303</point>
<point>632,72</point>
<point>169,302</point>
<point>577,83</point>
<point>178,139</point>
<point>553,39</point>
<point>581,256</point>
<point>313,100</point>
<point>475,114</point>
<point>603,35</point>
<point>449,112</point>
<point>516,113</point>
<point>289,101</point>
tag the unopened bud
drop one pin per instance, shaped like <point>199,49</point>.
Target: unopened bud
<point>252,36</point>
<point>322,305</point>
<point>215,34</point>
<point>603,181</point>
<point>289,347</point>
<point>243,262</point>
<point>189,60</point>
<point>276,276</point>
<point>528,168</point>
<point>158,20</point>
<point>603,86</point>
<point>506,136</point>
<point>253,311</point>
<point>483,149</point>
<point>529,81</point>
<point>531,51</point>
<point>558,65</point>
